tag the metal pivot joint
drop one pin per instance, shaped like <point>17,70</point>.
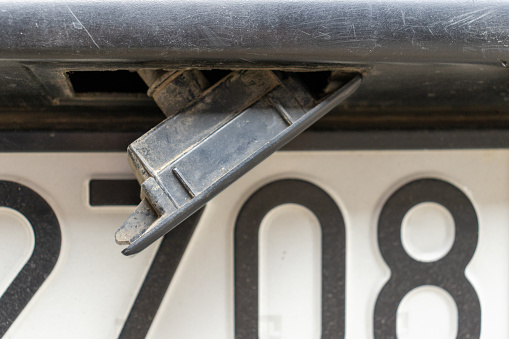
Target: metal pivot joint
<point>211,137</point>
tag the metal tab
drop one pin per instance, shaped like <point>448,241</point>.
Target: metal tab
<point>192,156</point>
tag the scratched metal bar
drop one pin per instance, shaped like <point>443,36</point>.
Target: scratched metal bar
<point>256,31</point>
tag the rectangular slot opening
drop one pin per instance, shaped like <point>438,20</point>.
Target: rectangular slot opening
<point>107,82</point>
<point>114,192</point>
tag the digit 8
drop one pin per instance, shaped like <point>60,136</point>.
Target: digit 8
<point>447,272</point>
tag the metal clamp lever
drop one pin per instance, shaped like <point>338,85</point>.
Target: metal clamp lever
<point>228,129</point>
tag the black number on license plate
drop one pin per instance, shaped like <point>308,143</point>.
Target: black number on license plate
<point>48,239</point>
<point>406,272</point>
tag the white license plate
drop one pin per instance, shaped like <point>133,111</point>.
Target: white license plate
<point>309,244</point>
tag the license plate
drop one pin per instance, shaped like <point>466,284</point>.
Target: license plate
<point>334,244</point>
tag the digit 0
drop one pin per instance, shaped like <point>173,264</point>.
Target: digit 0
<point>246,253</point>
<point>447,272</point>
<point>48,238</point>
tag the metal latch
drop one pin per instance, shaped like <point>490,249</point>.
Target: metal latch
<point>211,137</point>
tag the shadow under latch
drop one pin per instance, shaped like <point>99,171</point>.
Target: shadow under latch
<point>212,136</point>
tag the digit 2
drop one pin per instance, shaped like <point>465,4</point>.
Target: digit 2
<point>447,272</point>
<point>48,239</point>
<point>246,253</point>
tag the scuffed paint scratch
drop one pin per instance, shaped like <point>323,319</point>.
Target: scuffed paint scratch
<point>212,37</point>
<point>469,18</point>
<point>478,18</point>
<point>84,28</point>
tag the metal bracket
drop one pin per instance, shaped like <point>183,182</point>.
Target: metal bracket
<point>210,139</point>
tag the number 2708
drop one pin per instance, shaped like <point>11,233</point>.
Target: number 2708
<point>406,272</point>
